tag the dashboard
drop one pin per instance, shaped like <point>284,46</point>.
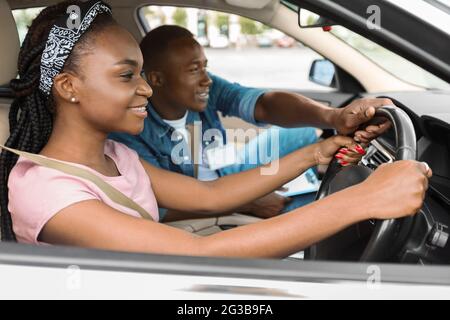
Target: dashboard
<point>428,242</point>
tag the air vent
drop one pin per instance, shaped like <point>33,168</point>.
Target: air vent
<point>377,155</point>
<point>379,158</point>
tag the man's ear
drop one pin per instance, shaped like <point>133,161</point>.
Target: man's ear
<point>155,78</point>
<point>64,86</point>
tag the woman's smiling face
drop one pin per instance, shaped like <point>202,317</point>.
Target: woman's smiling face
<point>111,92</point>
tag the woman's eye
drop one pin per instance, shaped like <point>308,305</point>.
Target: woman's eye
<point>128,75</point>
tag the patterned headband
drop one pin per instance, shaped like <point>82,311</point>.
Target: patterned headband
<point>63,36</point>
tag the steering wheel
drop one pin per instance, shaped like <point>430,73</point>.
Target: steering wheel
<point>369,240</point>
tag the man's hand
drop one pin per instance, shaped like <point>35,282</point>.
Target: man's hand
<point>349,119</point>
<point>266,207</point>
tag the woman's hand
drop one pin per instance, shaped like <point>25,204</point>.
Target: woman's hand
<point>349,151</point>
<point>396,189</point>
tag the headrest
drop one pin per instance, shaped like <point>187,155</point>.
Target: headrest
<point>9,44</point>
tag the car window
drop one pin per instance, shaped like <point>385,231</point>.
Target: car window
<point>386,59</point>
<point>240,49</point>
<point>23,18</point>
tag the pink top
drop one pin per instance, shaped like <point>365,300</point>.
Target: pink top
<point>37,193</point>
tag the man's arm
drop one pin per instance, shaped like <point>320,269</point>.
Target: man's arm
<point>294,110</point>
<point>265,207</point>
<point>287,109</point>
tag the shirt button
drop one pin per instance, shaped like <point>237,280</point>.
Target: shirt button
<point>186,158</point>
<point>206,143</point>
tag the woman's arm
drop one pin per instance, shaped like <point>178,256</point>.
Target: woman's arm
<point>178,192</point>
<point>92,224</point>
<point>182,193</point>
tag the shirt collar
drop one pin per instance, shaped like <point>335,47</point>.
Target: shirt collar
<point>159,126</point>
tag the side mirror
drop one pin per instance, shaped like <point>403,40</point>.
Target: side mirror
<point>323,72</point>
<point>308,19</point>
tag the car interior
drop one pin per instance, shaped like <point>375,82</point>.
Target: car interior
<point>421,130</point>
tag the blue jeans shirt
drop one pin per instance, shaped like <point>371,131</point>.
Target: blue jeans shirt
<point>157,141</point>
<point>155,144</point>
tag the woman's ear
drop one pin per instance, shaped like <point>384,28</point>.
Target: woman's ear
<point>155,78</point>
<point>64,86</point>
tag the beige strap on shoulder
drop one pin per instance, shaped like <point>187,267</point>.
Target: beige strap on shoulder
<point>114,194</point>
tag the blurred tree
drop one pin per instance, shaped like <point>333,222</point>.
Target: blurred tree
<point>180,17</point>
<point>222,23</point>
<point>248,26</point>
<point>251,27</point>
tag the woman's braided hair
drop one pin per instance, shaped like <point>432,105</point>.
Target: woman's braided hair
<point>32,113</point>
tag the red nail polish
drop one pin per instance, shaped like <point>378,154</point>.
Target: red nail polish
<point>360,150</point>
<point>344,163</point>
<point>343,150</point>
<point>339,156</point>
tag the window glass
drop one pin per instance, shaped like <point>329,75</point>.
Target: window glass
<point>240,49</point>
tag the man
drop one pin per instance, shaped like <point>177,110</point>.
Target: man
<point>184,93</point>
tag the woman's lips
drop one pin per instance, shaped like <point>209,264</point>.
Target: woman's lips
<point>139,111</point>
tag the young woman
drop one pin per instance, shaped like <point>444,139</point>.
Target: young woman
<point>77,87</point>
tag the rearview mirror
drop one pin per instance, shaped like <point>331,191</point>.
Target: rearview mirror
<point>323,72</point>
<point>308,19</point>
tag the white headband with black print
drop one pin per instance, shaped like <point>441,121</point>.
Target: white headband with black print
<point>63,36</point>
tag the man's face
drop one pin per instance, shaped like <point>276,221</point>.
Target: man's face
<point>186,82</point>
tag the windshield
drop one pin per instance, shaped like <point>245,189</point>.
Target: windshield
<point>391,62</point>
<point>436,10</point>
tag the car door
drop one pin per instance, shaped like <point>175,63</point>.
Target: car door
<point>31,272</point>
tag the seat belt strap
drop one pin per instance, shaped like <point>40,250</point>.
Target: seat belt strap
<point>114,194</point>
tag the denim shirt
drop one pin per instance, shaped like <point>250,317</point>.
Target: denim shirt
<point>155,143</point>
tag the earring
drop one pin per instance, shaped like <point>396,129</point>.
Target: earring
<point>73,99</point>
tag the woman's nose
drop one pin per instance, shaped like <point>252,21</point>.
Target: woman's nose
<point>144,89</point>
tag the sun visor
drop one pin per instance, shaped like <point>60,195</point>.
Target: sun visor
<point>249,4</point>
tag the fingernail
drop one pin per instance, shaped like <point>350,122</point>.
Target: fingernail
<point>360,150</point>
<point>343,163</point>
<point>343,150</point>
<point>357,139</point>
<point>339,156</point>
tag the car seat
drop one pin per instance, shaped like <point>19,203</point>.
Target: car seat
<point>9,51</point>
